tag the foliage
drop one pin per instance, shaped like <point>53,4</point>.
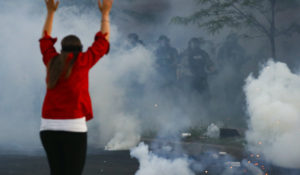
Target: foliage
<point>214,15</point>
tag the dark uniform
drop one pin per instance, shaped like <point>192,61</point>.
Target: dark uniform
<point>231,57</point>
<point>231,52</point>
<point>166,61</point>
<point>199,64</point>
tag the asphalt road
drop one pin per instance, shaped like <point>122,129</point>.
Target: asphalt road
<point>103,163</point>
<point>100,162</point>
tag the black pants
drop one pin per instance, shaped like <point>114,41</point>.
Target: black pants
<point>66,151</point>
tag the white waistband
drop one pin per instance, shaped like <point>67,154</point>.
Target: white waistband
<point>72,125</point>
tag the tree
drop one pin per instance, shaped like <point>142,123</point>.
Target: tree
<point>260,15</point>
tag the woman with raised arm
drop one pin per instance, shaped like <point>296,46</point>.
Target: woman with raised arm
<point>67,104</point>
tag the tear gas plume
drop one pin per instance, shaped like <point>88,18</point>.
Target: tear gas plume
<point>152,164</point>
<point>213,131</point>
<point>274,110</point>
<point>210,162</point>
<point>121,112</point>
<point>23,75</point>
<point>116,121</point>
<point>125,88</point>
<point>126,135</point>
<point>273,107</point>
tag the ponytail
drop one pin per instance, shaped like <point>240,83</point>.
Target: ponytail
<point>59,64</point>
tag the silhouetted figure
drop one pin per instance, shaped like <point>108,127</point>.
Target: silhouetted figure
<point>134,40</point>
<point>199,64</point>
<point>166,61</point>
<point>231,57</point>
<point>231,52</point>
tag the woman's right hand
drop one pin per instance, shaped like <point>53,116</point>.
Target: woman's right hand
<point>105,6</point>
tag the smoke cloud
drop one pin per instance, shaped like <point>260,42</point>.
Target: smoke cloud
<point>165,162</point>
<point>22,73</point>
<point>21,77</point>
<point>126,90</point>
<point>213,131</point>
<point>112,97</point>
<point>152,164</point>
<point>274,110</point>
<point>122,114</point>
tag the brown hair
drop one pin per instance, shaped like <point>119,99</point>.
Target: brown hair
<point>58,65</point>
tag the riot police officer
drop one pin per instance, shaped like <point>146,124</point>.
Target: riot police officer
<point>199,64</point>
<point>166,60</point>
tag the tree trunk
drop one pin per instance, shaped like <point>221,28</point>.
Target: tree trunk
<point>273,47</point>
<point>272,35</point>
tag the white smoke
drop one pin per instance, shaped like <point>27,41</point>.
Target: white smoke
<point>121,115</point>
<point>274,109</point>
<point>110,95</point>
<point>151,164</point>
<point>213,131</point>
<point>22,76</point>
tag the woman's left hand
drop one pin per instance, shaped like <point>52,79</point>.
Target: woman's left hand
<point>105,6</point>
<point>52,5</point>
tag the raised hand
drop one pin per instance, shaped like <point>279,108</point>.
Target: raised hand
<point>52,5</point>
<point>105,6</point>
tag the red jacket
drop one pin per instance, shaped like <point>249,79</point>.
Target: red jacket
<point>70,98</point>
